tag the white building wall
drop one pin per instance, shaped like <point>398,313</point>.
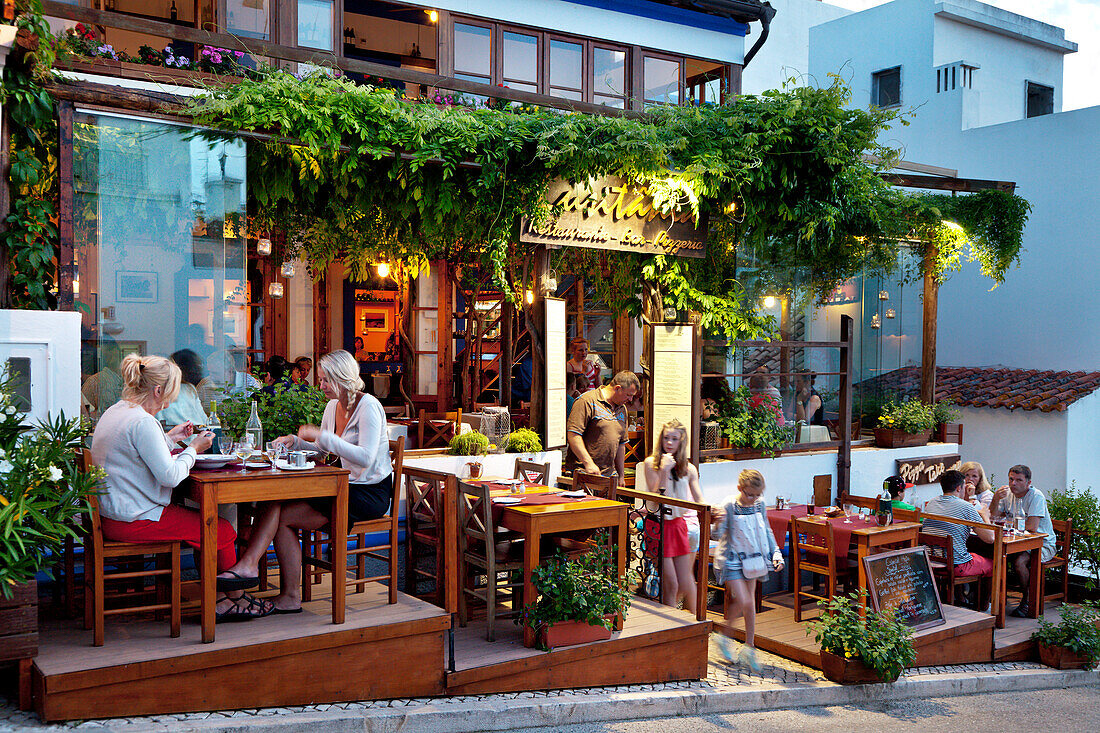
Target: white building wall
<point>1082,444</point>
<point>998,439</point>
<point>786,53</point>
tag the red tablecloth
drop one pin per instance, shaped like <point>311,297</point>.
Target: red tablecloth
<point>842,531</point>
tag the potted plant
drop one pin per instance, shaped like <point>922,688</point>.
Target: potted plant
<point>1083,507</point>
<point>523,440</point>
<point>579,596</point>
<point>282,411</point>
<point>472,443</point>
<point>905,424</point>
<point>753,421</point>
<point>43,493</point>
<point>948,429</point>
<point>858,649</point>
<point>1073,642</point>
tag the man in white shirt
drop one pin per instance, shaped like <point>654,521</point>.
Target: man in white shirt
<point>1021,499</point>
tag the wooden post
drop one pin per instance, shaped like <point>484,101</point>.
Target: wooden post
<point>444,345</point>
<point>844,452</point>
<point>928,343</point>
<point>65,261</point>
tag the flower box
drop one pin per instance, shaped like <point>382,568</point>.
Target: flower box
<point>848,671</point>
<point>895,438</point>
<point>19,622</point>
<point>950,432</point>
<point>571,633</point>
<point>144,72</point>
<point>1060,657</point>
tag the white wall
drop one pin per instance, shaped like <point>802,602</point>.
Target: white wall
<point>603,24</point>
<point>998,439</point>
<point>786,53</point>
<point>51,341</point>
<point>299,317</point>
<point>1082,444</point>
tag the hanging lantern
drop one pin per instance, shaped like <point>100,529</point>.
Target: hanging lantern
<point>876,322</point>
<point>287,269</point>
<point>263,246</point>
<point>275,290</point>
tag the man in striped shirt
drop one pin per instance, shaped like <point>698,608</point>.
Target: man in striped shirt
<point>952,505</point>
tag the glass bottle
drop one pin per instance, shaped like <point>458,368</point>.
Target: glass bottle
<point>885,512</point>
<point>253,428</point>
<point>215,426</point>
<point>174,14</point>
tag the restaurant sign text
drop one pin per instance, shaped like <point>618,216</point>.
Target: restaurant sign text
<point>928,470</point>
<point>609,213</point>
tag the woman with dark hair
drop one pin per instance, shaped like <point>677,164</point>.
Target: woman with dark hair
<point>808,405</point>
<point>187,407</point>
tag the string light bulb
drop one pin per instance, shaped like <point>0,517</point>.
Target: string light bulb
<point>769,301</point>
<point>530,297</point>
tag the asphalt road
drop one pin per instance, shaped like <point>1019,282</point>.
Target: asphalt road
<point>1068,711</point>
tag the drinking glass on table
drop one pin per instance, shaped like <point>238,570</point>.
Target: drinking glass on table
<point>848,509</point>
<point>243,450</point>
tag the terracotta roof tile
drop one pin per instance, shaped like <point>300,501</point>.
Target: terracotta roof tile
<point>1011,389</point>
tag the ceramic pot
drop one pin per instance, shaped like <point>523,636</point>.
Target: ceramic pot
<point>894,438</point>
<point>848,671</point>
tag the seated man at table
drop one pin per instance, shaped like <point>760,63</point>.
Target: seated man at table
<point>896,485</point>
<point>596,427</point>
<point>951,504</point>
<point>1021,499</point>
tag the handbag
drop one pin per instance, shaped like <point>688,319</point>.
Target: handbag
<point>692,522</point>
<point>749,544</point>
<point>753,566</point>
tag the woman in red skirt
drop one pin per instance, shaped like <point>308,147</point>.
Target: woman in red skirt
<point>669,472</point>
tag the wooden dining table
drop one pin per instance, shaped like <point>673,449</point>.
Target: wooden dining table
<point>1012,545</point>
<point>209,488</point>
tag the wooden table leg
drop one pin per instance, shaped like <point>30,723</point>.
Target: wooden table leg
<point>622,539</point>
<point>25,698</point>
<point>1034,602</point>
<point>208,556</point>
<point>863,549</point>
<point>338,537</point>
<point>532,540</point>
<point>1001,601</point>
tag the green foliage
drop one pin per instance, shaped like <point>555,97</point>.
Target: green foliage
<point>1083,507</point>
<point>1075,631</point>
<point>472,443</point>
<point>523,440</point>
<point>911,416</point>
<point>581,588</point>
<point>879,640</point>
<point>753,421</point>
<point>945,411</point>
<point>43,490</point>
<point>281,413</point>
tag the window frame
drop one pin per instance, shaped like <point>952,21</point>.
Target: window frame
<point>876,77</point>
<point>494,33</point>
<point>1028,85</point>
<point>662,56</point>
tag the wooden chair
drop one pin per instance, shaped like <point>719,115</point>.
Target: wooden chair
<point>99,553</point>
<point>359,530</point>
<point>1063,533</point>
<point>535,473</point>
<point>396,410</point>
<point>424,517</point>
<point>431,435</point>
<point>942,554</point>
<point>815,539</point>
<point>479,544</point>
<point>594,484</point>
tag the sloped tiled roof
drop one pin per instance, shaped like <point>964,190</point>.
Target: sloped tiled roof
<point>1012,389</point>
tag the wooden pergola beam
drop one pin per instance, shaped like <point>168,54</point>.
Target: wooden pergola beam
<point>940,183</point>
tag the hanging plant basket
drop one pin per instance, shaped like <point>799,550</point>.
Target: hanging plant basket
<point>571,633</point>
<point>849,671</point>
<point>1061,657</point>
<point>894,438</point>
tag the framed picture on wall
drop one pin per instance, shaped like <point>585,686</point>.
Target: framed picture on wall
<point>136,287</point>
<point>125,348</point>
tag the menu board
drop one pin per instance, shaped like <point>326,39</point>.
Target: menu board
<point>903,580</point>
<point>672,376</point>
<point>555,372</point>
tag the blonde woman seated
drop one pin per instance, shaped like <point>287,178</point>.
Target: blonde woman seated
<point>669,472</point>
<point>977,488</point>
<point>134,451</point>
<point>353,428</point>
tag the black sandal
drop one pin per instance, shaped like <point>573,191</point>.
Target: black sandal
<point>251,608</point>
<point>237,582</point>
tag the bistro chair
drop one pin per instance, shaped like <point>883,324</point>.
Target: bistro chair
<point>359,530</point>
<point>100,553</point>
<point>1063,534</point>
<point>483,576</point>
<point>434,435</point>
<point>424,519</point>
<point>942,555</point>
<point>396,410</point>
<point>531,472</point>
<point>814,551</point>
<point>594,484</point>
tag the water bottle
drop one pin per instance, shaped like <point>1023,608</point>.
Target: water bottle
<point>253,428</point>
<point>215,426</point>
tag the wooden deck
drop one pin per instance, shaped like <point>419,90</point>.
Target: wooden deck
<point>382,651</point>
<point>1013,643</point>
<point>967,637</point>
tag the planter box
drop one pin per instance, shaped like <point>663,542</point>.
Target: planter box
<point>146,72</point>
<point>570,633</point>
<point>951,432</point>
<point>894,438</point>
<point>19,622</point>
<point>848,671</point>
<point>1060,657</point>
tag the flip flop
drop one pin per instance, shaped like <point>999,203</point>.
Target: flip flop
<point>237,582</point>
<point>279,611</point>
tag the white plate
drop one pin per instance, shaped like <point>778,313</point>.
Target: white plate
<point>573,494</point>
<point>257,464</point>
<point>284,466</point>
<point>212,460</point>
<point>507,500</point>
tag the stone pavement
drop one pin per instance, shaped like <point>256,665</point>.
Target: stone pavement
<point>780,683</point>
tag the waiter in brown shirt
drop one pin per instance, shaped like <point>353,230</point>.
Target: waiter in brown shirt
<point>596,427</point>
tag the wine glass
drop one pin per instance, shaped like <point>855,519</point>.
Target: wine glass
<point>243,450</point>
<point>848,508</point>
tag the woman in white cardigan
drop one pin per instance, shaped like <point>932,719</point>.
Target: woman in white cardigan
<point>354,429</point>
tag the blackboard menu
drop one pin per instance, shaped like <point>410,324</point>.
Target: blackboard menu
<point>903,580</point>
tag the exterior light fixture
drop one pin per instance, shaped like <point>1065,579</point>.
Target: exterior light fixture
<point>433,16</point>
<point>890,313</point>
<point>876,322</point>
<point>883,295</point>
<point>383,269</point>
<point>530,297</point>
<point>275,290</point>
<point>670,314</point>
<point>287,269</point>
<point>769,301</point>
<point>263,246</point>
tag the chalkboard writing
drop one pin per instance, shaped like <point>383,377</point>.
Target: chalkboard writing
<point>902,580</point>
<point>927,470</point>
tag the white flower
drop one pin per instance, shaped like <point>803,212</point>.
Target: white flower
<point>54,473</point>
<point>10,410</point>
<point>5,467</point>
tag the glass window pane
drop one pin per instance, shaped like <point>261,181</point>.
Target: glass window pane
<point>712,91</point>
<point>248,17</point>
<point>315,24</point>
<point>521,57</point>
<point>565,64</point>
<point>661,80</point>
<point>608,71</point>
<point>161,253</point>
<point>613,102</point>
<point>472,49</point>
<point>533,88</point>
<point>566,94</point>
